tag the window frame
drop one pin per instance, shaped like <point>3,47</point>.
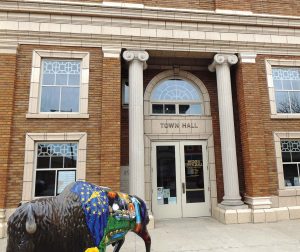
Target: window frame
<point>52,169</point>
<point>271,63</point>
<point>32,139</point>
<point>36,77</point>
<point>278,137</point>
<point>179,102</point>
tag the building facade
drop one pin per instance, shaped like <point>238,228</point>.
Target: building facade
<point>193,106</point>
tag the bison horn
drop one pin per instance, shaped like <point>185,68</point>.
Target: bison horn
<point>30,221</point>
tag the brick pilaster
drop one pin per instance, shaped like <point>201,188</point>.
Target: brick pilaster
<point>111,122</point>
<point>252,131</point>
<point>7,84</point>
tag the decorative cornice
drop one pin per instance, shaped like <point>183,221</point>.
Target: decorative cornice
<point>148,12</point>
<point>220,59</point>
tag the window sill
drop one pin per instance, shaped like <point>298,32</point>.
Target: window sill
<point>78,116</point>
<point>285,116</point>
<point>289,191</point>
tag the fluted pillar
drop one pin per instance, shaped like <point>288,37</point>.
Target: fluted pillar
<point>137,61</point>
<point>221,65</point>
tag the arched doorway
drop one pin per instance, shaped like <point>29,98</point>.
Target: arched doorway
<point>178,133</point>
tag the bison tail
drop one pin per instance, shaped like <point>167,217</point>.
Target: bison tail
<point>30,221</point>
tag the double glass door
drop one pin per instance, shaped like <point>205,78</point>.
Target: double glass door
<point>180,179</point>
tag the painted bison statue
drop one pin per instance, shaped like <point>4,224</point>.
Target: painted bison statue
<point>83,218</point>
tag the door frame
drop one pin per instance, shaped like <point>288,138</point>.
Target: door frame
<point>177,211</point>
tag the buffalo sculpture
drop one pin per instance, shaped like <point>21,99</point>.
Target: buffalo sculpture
<point>84,217</point>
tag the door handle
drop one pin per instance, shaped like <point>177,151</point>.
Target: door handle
<point>183,187</point>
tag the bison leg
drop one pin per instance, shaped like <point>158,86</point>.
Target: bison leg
<point>146,237</point>
<point>118,245</point>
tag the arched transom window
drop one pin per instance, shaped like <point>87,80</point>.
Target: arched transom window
<point>176,96</point>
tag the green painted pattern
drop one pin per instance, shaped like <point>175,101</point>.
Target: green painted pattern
<point>115,226</point>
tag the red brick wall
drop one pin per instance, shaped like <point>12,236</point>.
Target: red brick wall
<point>111,123</point>
<point>257,127</point>
<point>251,130</point>
<point>7,83</point>
<point>241,5</point>
<point>271,125</point>
<point>279,7</point>
<point>103,115</point>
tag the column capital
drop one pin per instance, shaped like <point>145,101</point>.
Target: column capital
<point>129,55</point>
<point>220,59</point>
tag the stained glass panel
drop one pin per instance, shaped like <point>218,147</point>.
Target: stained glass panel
<point>60,85</point>
<point>286,83</point>
<point>56,167</point>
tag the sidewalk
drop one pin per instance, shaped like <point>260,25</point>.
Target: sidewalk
<point>206,234</point>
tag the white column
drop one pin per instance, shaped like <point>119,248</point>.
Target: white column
<point>221,65</point>
<point>137,61</point>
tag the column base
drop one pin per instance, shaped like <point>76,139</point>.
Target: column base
<point>232,202</point>
<point>258,202</point>
<point>228,207</point>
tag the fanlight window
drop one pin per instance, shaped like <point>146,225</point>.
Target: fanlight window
<point>176,96</point>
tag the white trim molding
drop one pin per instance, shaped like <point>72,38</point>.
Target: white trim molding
<point>245,57</point>
<point>258,202</point>
<point>30,149</point>
<point>269,63</point>
<point>34,98</point>
<point>281,185</point>
<point>109,52</point>
<point>3,225</point>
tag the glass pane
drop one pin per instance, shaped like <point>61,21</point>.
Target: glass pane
<point>296,84</point>
<point>74,79</point>
<point>191,109</point>
<point>70,99</point>
<point>43,162</point>
<point>170,109</point>
<point>166,175</point>
<point>277,84</point>
<point>48,79</point>
<point>291,177</point>
<point>282,102</point>
<point>61,79</point>
<point>64,179</point>
<point>286,84</point>
<point>295,101</point>
<point>70,162</point>
<point>157,108</point>
<point>175,90</point>
<point>44,183</point>
<point>194,173</point>
<point>295,156</point>
<point>57,162</point>
<point>286,157</point>
<point>50,99</point>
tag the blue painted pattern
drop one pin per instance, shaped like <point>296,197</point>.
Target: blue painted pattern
<point>95,206</point>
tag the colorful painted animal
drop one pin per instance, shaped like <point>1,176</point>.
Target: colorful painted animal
<point>84,217</point>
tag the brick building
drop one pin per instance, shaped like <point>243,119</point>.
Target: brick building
<point>192,105</point>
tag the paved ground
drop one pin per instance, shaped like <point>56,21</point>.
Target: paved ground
<point>206,234</point>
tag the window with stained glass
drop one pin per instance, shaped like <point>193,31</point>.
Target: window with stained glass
<point>286,81</point>
<point>56,165</point>
<point>60,85</point>
<point>176,96</point>
<point>290,151</point>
